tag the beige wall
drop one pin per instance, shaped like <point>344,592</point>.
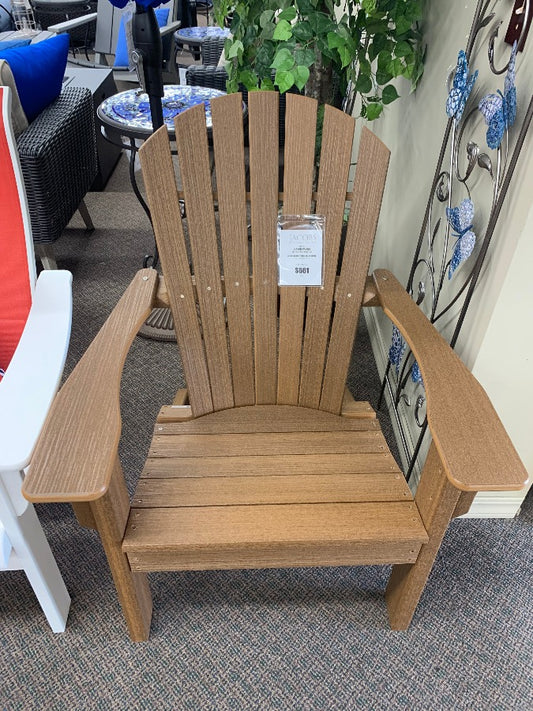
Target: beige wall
<point>497,337</point>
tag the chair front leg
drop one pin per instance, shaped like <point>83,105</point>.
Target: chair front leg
<point>110,514</point>
<point>437,500</point>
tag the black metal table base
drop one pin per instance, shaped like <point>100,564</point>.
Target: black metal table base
<point>159,326</point>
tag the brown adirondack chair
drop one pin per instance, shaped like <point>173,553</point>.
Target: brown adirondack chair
<point>266,461</point>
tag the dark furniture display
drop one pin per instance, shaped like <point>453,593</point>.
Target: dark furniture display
<point>59,163</point>
<point>50,12</point>
<point>101,84</point>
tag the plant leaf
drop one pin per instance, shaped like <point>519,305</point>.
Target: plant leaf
<point>363,83</point>
<point>283,60</point>
<point>287,14</point>
<point>335,40</point>
<point>301,75</point>
<point>305,57</point>
<point>373,111</point>
<point>403,49</point>
<point>302,31</point>
<point>249,79</point>
<point>236,50</point>
<point>266,17</point>
<point>389,94</point>
<point>267,84</point>
<point>284,80</point>
<point>383,77</point>
<point>345,55</point>
<point>283,31</point>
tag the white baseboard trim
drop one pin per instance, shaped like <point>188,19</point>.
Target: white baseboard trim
<point>503,504</point>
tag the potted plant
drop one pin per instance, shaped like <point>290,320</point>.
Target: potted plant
<point>327,48</point>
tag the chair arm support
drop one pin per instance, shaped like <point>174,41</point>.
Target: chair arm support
<point>473,446</point>
<point>77,449</point>
<point>33,375</point>
<point>71,24</point>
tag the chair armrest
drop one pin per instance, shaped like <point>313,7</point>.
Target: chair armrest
<point>33,375</point>
<point>207,76</point>
<point>472,443</point>
<point>71,24</point>
<point>74,457</point>
<point>170,27</point>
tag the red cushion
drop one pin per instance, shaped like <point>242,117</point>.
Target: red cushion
<point>15,290</point>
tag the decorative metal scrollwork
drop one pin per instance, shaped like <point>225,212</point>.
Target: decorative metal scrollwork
<point>453,240</point>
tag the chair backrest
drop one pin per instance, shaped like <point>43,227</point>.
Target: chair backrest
<point>243,339</point>
<point>108,25</point>
<point>187,13</point>
<point>48,12</point>
<point>17,265</point>
<point>211,50</point>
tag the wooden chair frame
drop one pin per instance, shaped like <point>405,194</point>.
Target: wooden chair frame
<point>266,461</point>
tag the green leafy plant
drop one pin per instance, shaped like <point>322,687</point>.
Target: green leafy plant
<point>328,48</point>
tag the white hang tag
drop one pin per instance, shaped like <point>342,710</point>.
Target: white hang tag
<point>300,250</point>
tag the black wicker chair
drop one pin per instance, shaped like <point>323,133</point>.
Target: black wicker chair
<point>48,12</point>
<point>208,73</point>
<point>59,162</point>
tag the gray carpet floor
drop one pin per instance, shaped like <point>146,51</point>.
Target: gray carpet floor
<point>288,639</point>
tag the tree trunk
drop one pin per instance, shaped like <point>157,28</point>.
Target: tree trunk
<point>320,83</point>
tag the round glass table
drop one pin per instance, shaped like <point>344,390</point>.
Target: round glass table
<point>193,38</point>
<point>196,35</point>
<point>129,111</point>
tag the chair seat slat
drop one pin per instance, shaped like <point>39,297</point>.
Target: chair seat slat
<point>312,488</point>
<point>375,462</point>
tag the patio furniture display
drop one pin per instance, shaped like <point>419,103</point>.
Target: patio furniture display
<point>110,38</point>
<point>50,12</point>
<point>101,84</point>
<point>54,126</point>
<point>266,461</point>
<point>35,318</point>
<point>194,37</point>
<point>208,73</point>
<point>59,163</point>
<point>128,115</point>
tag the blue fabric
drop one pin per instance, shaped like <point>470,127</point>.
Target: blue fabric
<point>38,70</point>
<point>8,44</point>
<point>144,3</point>
<point>121,53</point>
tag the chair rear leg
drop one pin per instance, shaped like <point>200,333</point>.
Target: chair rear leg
<point>45,252</point>
<point>110,515</point>
<point>84,212</point>
<point>436,499</point>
